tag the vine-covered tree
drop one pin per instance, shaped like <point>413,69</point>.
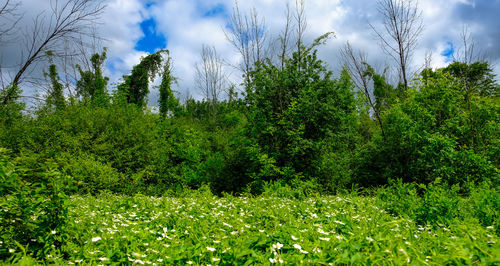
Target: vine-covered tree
<point>135,86</point>
<point>92,84</point>
<point>55,97</point>
<point>168,102</point>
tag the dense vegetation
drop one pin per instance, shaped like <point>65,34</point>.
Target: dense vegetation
<point>415,178</point>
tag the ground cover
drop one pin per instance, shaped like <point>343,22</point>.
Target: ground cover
<point>204,229</point>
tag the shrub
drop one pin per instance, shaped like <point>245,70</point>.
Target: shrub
<point>34,211</point>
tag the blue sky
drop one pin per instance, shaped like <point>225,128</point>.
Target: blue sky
<point>152,39</point>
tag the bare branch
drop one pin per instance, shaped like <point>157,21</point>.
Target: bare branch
<point>402,26</point>
<point>66,23</point>
<point>210,77</point>
<point>355,63</point>
<point>247,34</point>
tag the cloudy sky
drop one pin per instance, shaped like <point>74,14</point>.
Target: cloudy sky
<point>133,28</point>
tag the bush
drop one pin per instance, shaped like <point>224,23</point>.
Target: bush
<point>34,210</point>
<point>92,176</point>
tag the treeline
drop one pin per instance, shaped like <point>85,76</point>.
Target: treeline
<point>295,123</point>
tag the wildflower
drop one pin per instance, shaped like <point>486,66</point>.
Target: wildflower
<point>297,246</point>
<point>339,222</point>
<point>317,250</point>
<point>322,232</point>
<point>272,260</point>
<point>11,250</point>
<point>369,239</point>
<point>189,262</point>
<point>53,232</point>
<point>294,238</point>
<point>324,238</point>
<point>103,259</point>
<point>97,238</point>
<point>215,259</point>
<point>211,249</point>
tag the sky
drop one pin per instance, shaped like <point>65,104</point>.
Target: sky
<point>134,28</point>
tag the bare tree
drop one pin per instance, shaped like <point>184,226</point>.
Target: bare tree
<point>468,53</point>
<point>247,33</point>
<point>210,77</point>
<point>67,21</point>
<point>8,18</point>
<point>355,63</point>
<point>285,36</point>
<point>402,26</point>
<point>301,25</point>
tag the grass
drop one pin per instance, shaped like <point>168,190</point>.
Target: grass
<point>204,229</point>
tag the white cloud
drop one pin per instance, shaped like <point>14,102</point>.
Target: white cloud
<point>186,29</point>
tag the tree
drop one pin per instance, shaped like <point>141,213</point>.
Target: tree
<point>66,22</point>
<point>210,77</point>
<point>402,27</point>
<point>299,114</point>
<point>247,33</point>
<point>135,86</point>
<point>92,84</point>
<point>355,63</point>
<point>8,18</point>
<point>55,97</point>
<point>168,103</point>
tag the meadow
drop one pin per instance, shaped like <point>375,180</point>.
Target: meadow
<point>202,229</point>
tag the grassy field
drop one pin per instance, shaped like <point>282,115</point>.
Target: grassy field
<point>203,229</point>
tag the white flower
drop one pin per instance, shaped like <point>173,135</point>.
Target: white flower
<point>303,251</point>
<point>215,259</point>
<point>294,238</point>
<point>211,249</point>
<point>97,238</point>
<point>324,238</point>
<point>11,250</point>
<point>189,262</point>
<point>103,259</point>
<point>317,250</point>
<point>339,222</point>
<point>297,246</point>
<point>369,239</point>
<point>322,232</point>
<point>273,260</point>
<point>53,232</point>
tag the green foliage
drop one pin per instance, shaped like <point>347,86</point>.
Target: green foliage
<point>92,84</point>
<point>10,108</point>
<point>477,77</point>
<point>92,176</point>
<point>55,97</point>
<point>135,86</point>
<point>299,112</point>
<point>168,102</point>
<point>203,229</point>
<point>429,135</point>
<point>34,210</point>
